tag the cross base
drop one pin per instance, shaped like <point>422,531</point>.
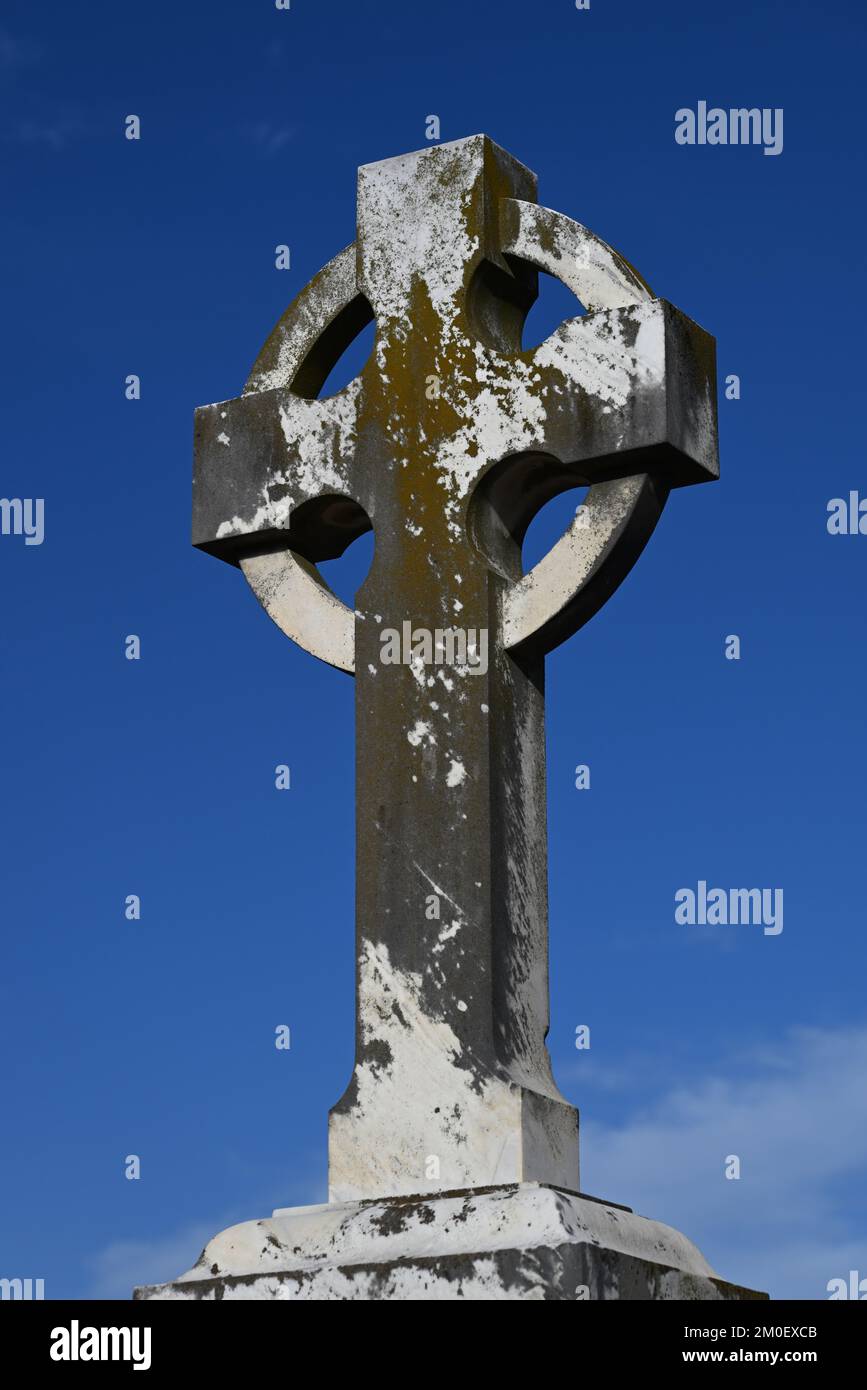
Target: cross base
<point>516,1242</point>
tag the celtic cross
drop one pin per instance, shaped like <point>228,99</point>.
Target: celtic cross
<point>447,443</point>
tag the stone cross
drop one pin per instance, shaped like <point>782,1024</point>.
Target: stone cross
<point>446,444</point>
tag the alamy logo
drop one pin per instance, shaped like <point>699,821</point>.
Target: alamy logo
<point>23,516</point>
<point>76,1343</point>
<point>855,1287</point>
<point>464,648</point>
<point>720,907</point>
<point>22,1288</point>
<point>737,126</point>
<point>847,517</point>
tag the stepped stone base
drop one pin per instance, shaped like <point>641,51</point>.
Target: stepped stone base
<point>522,1241</point>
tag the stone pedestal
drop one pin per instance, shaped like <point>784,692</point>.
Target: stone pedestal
<point>521,1241</point>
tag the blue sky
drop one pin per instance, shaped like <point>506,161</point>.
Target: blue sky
<point>156,777</point>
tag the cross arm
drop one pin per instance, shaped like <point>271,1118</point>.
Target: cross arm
<point>259,459</point>
<point>628,400</point>
<point>629,390</point>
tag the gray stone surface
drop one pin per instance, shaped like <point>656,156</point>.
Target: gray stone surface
<point>522,1241</point>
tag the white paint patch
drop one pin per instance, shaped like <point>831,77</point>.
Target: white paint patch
<point>456,774</point>
<point>421,731</point>
<point>411,210</point>
<point>382,1143</point>
<point>593,354</point>
<point>503,414</point>
<point>271,512</point>
<point>320,439</point>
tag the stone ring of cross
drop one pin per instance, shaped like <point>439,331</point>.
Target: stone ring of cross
<point>452,437</point>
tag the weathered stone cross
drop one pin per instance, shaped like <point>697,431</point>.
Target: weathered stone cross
<point>447,444</point>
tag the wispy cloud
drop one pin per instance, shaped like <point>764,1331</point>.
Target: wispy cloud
<point>16,53</point>
<point>795,1114</point>
<point>796,1117</point>
<point>123,1264</point>
<point>269,138</point>
<point>53,134</point>
<point>118,1268</point>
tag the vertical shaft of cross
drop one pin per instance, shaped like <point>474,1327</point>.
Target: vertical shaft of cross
<point>452,1086</point>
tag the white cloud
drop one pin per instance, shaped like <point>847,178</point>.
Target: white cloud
<point>795,1113</point>
<point>122,1265</point>
<point>796,1116</point>
<point>270,138</point>
<point>55,134</point>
